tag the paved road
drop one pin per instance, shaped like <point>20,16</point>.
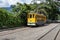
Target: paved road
<point>31,33</point>
<point>53,35</point>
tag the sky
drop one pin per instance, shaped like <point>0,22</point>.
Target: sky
<point>7,3</point>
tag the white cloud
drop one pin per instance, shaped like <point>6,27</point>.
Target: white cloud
<point>28,1</point>
<point>4,3</point>
<point>7,3</point>
<point>38,2</point>
<point>20,1</point>
<point>12,2</point>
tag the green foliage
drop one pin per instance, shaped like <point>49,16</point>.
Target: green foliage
<point>3,16</point>
<point>8,19</point>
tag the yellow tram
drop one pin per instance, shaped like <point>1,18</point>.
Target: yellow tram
<point>34,19</point>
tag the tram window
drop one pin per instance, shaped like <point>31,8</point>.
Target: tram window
<point>33,15</point>
<point>30,16</point>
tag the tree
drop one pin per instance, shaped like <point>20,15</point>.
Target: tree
<point>21,11</point>
<point>3,17</point>
<point>54,11</point>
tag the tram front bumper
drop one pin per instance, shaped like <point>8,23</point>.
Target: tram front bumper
<point>33,24</point>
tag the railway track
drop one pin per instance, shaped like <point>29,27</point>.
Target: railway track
<point>52,34</point>
<point>57,34</point>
